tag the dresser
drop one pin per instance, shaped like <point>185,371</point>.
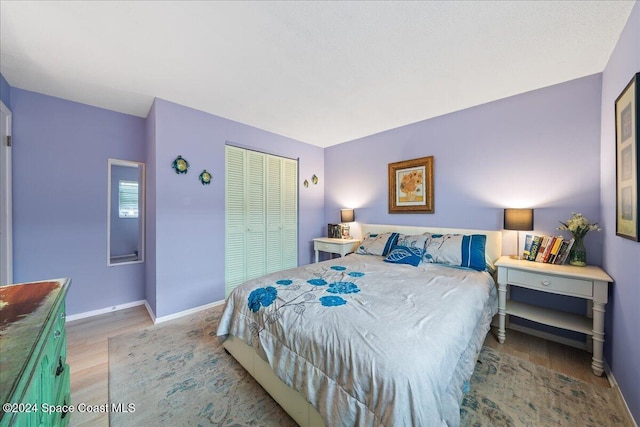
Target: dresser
<point>34,375</point>
<point>590,283</point>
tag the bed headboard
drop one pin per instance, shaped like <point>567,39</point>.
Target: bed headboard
<point>493,248</point>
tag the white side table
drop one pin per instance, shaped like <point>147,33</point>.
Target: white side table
<point>590,283</point>
<point>334,246</point>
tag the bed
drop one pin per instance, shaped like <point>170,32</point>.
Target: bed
<point>373,338</point>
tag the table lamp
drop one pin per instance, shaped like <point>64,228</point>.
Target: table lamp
<point>518,220</point>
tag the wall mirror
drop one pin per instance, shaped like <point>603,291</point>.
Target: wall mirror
<point>125,212</point>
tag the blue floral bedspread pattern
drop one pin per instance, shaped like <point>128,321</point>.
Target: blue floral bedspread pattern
<point>269,302</point>
<point>365,341</point>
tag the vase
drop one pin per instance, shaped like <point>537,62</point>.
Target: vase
<point>578,254</point>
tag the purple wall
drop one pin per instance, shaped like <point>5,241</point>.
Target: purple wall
<point>60,154</point>
<point>60,218</point>
<point>540,149</point>
<point>622,343</point>
<point>190,220</point>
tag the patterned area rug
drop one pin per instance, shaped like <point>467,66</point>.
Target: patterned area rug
<point>508,391</point>
<point>177,374</point>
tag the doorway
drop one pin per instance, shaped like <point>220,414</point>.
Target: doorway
<point>6,236</point>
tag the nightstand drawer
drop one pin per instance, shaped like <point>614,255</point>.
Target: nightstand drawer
<point>326,247</point>
<point>550,283</point>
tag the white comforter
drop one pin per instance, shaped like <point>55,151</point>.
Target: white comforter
<point>367,342</point>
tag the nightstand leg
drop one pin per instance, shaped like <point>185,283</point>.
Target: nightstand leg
<point>502,311</point>
<point>598,338</point>
<point>316,255</point>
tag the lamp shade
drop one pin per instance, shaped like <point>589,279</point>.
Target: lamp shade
<point>518,219</point>
<point>347,215</point>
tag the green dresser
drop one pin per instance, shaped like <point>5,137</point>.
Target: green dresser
<point>34,374</point>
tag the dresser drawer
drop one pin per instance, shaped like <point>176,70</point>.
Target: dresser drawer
<point>56,346</point>
<point>551,283</point>
<point>63,399</point>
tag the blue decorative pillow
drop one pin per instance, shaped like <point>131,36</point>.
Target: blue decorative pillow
<point>377,244</point>
<point>457,250</point>
<point>405,255</point>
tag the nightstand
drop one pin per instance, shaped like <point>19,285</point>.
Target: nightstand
<point>334,246</point>
<point>589,283</point>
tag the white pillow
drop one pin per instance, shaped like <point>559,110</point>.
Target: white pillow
<point>377,244</point>
<point>457,250</point>
<point>413,240</point>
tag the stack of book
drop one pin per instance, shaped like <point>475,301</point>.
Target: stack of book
<point>548,249</point>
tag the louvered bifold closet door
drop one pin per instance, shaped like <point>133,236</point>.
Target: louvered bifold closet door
<point>274,214</point>
<point>290,214</point>
<point>261,203</point>
<point>235,234</point>
<point>256,213</point>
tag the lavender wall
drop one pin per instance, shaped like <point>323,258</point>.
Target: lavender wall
<point>190,220</point>
<point>60,154</point>
<point>622,343</point>
<point>539,149</point>
<point>60,218</point>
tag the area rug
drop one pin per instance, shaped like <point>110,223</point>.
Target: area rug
<point>508,391</point>
<point>177,374</point>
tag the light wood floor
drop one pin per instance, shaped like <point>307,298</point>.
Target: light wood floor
<point>88,358</point>
<point>87,355</point>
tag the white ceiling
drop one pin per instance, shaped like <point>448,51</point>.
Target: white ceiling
<point>319,72</point>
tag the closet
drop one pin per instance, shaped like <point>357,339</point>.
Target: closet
<point>261,215</point>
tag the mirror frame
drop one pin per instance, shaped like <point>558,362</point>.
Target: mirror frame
<point>141,213</point>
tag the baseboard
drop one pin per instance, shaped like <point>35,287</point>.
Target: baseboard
<point>152,315</point>
<point>104,310</point>
<point>147,306</point>
<point>185,312</point>
<point>614,385</point>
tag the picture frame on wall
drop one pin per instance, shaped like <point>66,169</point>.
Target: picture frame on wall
<point>627,159</point>
<point>411,186</point>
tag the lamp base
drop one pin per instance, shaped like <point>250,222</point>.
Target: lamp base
<point>345,231</point>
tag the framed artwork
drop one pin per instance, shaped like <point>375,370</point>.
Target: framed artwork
<point>627,159</point>
<point>411,186</point>
<point>334,231</point>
